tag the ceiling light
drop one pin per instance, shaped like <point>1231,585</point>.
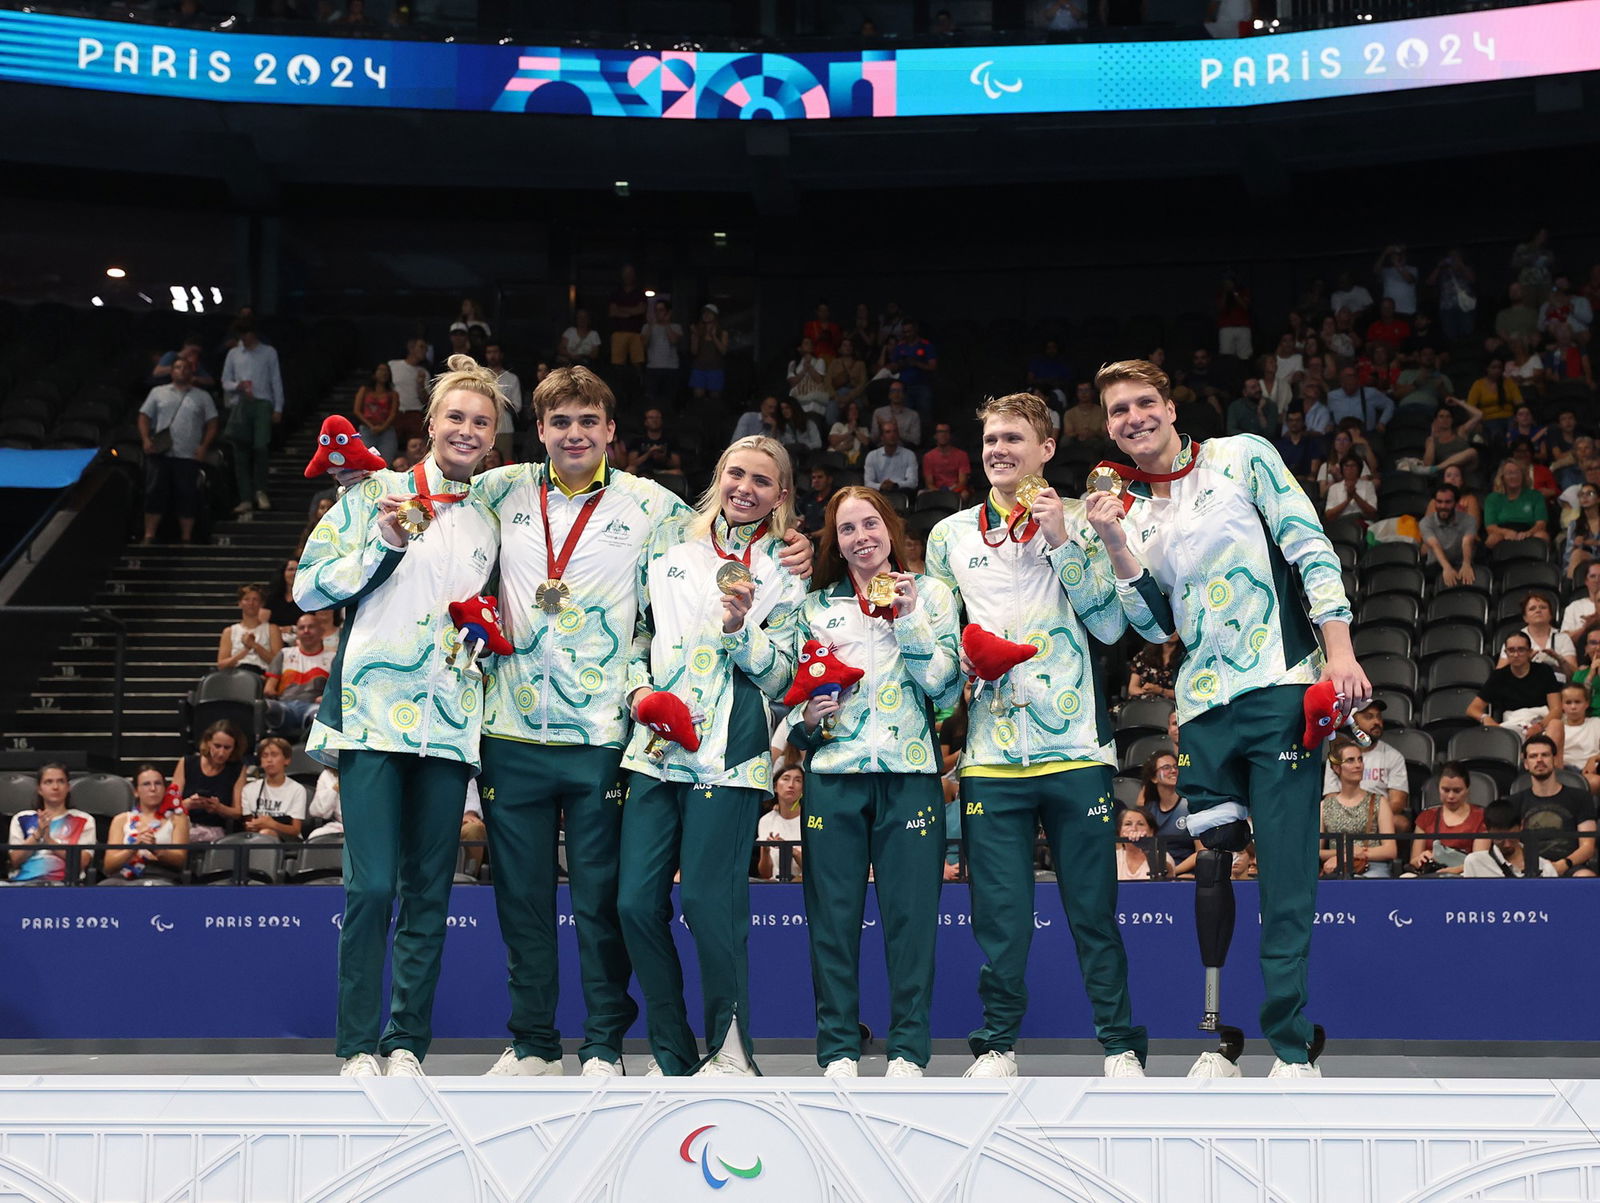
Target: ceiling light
<point>96,302</point>
<point>116,273</point>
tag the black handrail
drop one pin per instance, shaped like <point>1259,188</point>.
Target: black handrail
<point>120,629</point>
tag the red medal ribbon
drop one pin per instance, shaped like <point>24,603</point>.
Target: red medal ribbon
<point>1020,518</point>
<point>426,499</point>
<point>557,564</point>
<point>749,547</point>
<point>1132,472</point>
<point>871,611</point>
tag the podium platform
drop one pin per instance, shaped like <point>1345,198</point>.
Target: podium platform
<point>245,1139</point>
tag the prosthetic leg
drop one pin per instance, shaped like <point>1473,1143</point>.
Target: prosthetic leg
<point>1213,920</point>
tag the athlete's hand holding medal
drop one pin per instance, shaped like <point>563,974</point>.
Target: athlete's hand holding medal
<point>1104,505</point>
<point>1037,500</point>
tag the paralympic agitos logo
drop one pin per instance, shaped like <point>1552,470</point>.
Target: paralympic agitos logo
<point>706,1159</point>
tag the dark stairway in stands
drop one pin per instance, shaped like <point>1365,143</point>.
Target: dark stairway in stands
<point>175,600</point>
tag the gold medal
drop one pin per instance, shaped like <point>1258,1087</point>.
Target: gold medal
<point>413,516</point>
<point>880,590</point>
<point>552,596</point>
<point>1029,488</point>
<point>1105,479</point>
<point>732,574</point>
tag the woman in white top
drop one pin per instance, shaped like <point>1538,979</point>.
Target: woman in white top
<point>781,824</point>
<point>142,830</point>
<point>579,343</point>
<point>253,641</point>
<point>849,435</point>
<point>808,379</point>
<point>1133,862</point>
<point>1343,444</point>
<point>325,806</point>
<point>1550,646</point>
<point>1578,735</point>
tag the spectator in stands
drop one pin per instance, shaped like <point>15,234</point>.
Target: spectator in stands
<point>849,436</point>
<point>761,420</point>
<point>1135,834</point>
<point>1065,16</point>
<point>662,337</point>
<point>808,379</point>
<point>1513,511</point>
<point>654,451</point>
<point>1398,279</point>
<point>272,807</point>
<point>36,834</point>
<point>914,360</point>
<point>1523,426</point>
<point>191,350</point>
<point>864,333</point>
<point>1351,494</point>
<point>1570,451</point>
<point>1524,364</point>
<point>1233,320</point>
<point>1287,363</point>
<point>1349,295</point>
<point>1354,809</point>
<point>1339,334</point>
<point>1506,854</point>
<point>813,505</point>
<point>253,384</point>
<point>782,823</point>
<point>1372,407</point>
<point>1085,420</point>
<point>1451,824</point>
<point>410,379</point>
<point>1550,646</point>
<point>377,405</point>
<point>1550,805</point>
<point>1252,412</point>
<point>890,465</point>
<point>945,467</point>
<point>1378,368</point>
<point>1517,320</point>
<point>908,423</point>
<point>1302,452</point>
<point>1388,328</point>
<point>847,379</point>
<point>1203,417</point>
<point>708,345</point>
<point>210,781</point>
<point>1580,612</point>
<point>1458,298</point>
<point>1347,440</point>
<point>626,310</point>
<point>1449,445</point>
<point>1577,735</point>
<point>797,429</point>
<point>1562,306</point>
<point>177,424</point>
<point>1535,473</point>
<point>324,809</point>
<point>471,316</point>
<point>1527,696</point>
<point>253,641</point>
<point>494,358</point>
<point>1047,369</point>
<point>1153,671</point>
<point>1449,538</point>
<point>823,332</point>
<point>1168,811</point>
<point>580,343</point>
<point>1383,768</point>
<point>1466,498</point>
<point>461,341</point>
<point>142,831</point>
<point>1421,385</point>
<point>1496,396</point>
<point>1565,359</point>
<point>296,678</point>
<point>279,606</point>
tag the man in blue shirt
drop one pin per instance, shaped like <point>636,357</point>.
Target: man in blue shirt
<point>1369,406</point>
<point>915,359</point>
<point>1302,452</point>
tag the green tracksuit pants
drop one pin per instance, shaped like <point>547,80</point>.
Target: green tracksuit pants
<point>1250,752</point>
<point>249,434</point>
<point>402,830</point>
<point>891,822</point>
<point>704,833</point>
<point>530,791</point>
<point>1000,819</point>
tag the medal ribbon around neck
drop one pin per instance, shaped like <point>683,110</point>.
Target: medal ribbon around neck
<point>1132,472</point>
<point>1020,527</point>
<point>554,563</point>
<point>748,548</point>
<point>867,608</point>
<point>426,499</point>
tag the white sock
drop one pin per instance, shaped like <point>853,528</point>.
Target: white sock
<point>733,1047</point>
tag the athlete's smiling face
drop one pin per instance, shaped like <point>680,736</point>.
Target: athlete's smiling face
<point>576,436</point>
<point>1012,449</point>
<point>749,488</point>
<point>863,536</point>
<point>1141,422</point>
<point>462,429</point>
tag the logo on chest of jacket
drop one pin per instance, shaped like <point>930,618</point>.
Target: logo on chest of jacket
<point>676,574</point>
<point>814,822</point>
<point>835,622</point>
<point>480,558</point>
<point>616,532</point>
<point>978,562</point>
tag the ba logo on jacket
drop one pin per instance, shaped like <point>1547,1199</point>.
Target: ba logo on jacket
<point>978,562</point>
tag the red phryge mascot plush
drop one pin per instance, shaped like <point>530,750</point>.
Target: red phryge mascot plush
<point>478,620</point>
<point>339,447</point>
<point>993,657</point>
<point>668,716</point>
<point>1325,714</point>
<point>820,671</point>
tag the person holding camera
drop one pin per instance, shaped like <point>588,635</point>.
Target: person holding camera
<point>1453,824</point>
<point>1399,279</point>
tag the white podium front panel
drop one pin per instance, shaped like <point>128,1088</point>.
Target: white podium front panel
<point>248,1140</point>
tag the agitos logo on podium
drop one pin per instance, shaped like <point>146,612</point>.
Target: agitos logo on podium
<point>685,1151</point>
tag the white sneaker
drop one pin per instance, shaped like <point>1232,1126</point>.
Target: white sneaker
<point>1124,1065</point>
<point>1212,1064</point>
<point>1288,1069</point>
<point>899,1067</point>
<point>403,1063</point>
<point>262,503</point>
<point>362,1065</point>
<point>244,507</point>
<point>599,1067</point>
<point>652,1070</point>
<point>993,1065</point>
<point>722,1065</point>
<point>841,1069</point>
<point>529,1067</point>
